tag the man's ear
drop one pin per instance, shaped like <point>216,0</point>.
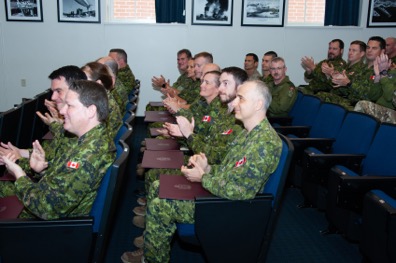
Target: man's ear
<point>259,105</point>
<point>92,111</point>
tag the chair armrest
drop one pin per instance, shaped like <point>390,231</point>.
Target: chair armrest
<point>300,144</point>
<point>351,189</point>
<point>281,120</point>
<point>300,131</point>
<point>326,161</point>
<point>69,240</point>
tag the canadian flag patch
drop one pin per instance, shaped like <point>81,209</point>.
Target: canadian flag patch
<point>372,77</point>
<point>73,165</point>
<point>227,132</point>
<point>206,118</point>
<point>240,162</point>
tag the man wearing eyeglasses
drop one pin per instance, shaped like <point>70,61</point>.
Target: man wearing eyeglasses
<point>283,91</point>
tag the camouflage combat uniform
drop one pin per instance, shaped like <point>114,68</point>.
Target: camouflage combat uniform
<point>69,185</point>
<point>214,128</point>
<point>318,81</point>
<point>251,158</point>
<point>255,76</point>
<point>121,101</point>
<point>283,97</point>
<point>340,95</point>
<point>267,79</point>
<point>364,88</point>
<point>384,108</point>
<point>114,120</point>
<point>127,78</point>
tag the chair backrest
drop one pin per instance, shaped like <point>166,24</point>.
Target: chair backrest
<point>307,110</point>
<point>25,137</point>
<point>356,133</point>
<point>127,136</point>
<point>104,206</point>
<point>9,129</point>
<point>381,157</point>
<point>121,131</point>
<point>40,128</point>
<point>328,121</point>
<point>276,181</point>
<point>294,110</point>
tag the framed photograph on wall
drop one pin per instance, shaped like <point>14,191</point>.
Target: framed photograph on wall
<point>28,10</point>
<point>263,12</point>
<point>382,13</point>
<point>212,12</point>
<point>80,11</point>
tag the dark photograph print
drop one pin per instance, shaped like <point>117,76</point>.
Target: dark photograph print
<point>29,10</point>
<point>382,13</point>
<point>212,12</point>
<point>80,11</point>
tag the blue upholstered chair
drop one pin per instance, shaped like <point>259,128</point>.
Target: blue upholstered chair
<point>239,231</point>
<point>354,138</point>
<point>347,186</point>
<point>378,240</point>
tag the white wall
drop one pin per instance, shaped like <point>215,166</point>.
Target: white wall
<point>31,50</point>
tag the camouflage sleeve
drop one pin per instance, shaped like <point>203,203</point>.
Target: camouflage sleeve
<point>283,100</point>
<point>215,147</point>
<point>247,171</point>
<point>55,195</point>
<point>114,120</point>
<point>388,86</point>
<point>364,88</point>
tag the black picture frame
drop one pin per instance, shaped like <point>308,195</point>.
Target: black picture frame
<point>269,13</point>
<point>79,11</point>
<point>24,11</point>
<point>212,13</point>
<point>381,13</point>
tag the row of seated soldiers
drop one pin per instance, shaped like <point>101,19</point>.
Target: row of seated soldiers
<point>363,83</point>
<point>59,178</point>
<point>202,98</point>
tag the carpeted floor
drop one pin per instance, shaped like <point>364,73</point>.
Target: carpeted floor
<point>296,237</point>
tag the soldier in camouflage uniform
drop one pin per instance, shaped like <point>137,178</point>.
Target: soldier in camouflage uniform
<point>250,66</point>
<point>216,116</point>
<point>251,158</point>
<point>283,91</point>
<point>119,91</point>
<point>71,178</point>
<point>319,76</point>
<point>101,73</point>
<point>384,108</point>
<point>391,50</point>
<point>341,80</point>
<point>265,66</point>
<point>124,74</point>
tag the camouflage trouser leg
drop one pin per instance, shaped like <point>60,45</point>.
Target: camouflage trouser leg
<point>7,188</point>
<point>382,113</point>
<point>153,175</point>
<point>161,218</point>
<point>333,98</point>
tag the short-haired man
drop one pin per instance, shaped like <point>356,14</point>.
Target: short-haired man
<point>319,75</point>
<point>252,157</point>
<point>265,65</point>
<point>341,88</point>
<point>363,85</point>
<point>71,178</point>
<point>125,74</point>
<point>391,50</point>
<point>250,66</point>
<point>118,86</point>
<point>283,91</point>
<point>384,109</point>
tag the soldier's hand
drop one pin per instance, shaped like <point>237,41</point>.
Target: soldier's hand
<point>10,162</point>
<point>193,174</point>
<point>158,81</point>
<point>308,64</point>
<point>173,129</point>
<point>201,161</point>
<point>37,159</point>
<point>186,127</point>
<point>340,79</point>
<point>327,69</point>
<point>384,63</point>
